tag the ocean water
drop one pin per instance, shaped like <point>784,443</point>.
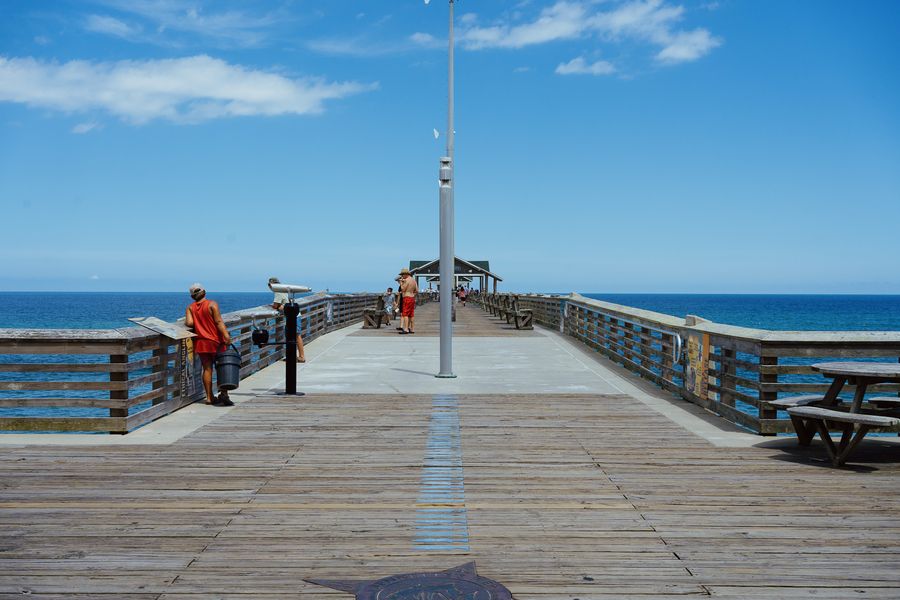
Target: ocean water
<point>100,310</point>
<point>770,311</point>
<point>107,310</point>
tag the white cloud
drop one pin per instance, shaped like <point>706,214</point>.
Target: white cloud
<point>687,46</point>
<point>362,47</point>
<point>578,66</point>
<point>190,16</point>
<point>647,21</point>
<point>423,39</point>
<point>41,40</point>
<point>83,128</point>
<point>563,20</point>
<point>183,90</point>
<point>655,22</point>
<point>110,26</point>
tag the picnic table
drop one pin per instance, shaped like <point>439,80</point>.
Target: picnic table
<point>812,415</point>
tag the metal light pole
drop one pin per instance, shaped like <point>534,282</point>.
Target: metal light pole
<point>448,258</point>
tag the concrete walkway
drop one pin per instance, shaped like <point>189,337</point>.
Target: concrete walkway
<point>489,357</point>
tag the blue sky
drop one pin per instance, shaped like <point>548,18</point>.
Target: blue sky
<point>619,146</point>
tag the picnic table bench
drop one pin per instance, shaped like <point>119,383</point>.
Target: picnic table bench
<point>854,427</point>
<point>820,414</point>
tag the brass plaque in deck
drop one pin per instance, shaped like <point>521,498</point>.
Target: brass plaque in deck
<point>459,583</point>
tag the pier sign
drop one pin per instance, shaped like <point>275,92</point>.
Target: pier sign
<point>188,362</point>
<point>697,372</point>
<point>174,331</point>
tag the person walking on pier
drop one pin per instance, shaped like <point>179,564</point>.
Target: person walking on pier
<point>281,298</point>
<point>389,301</point>
<point>204,318</point>
<point>408,291</point>
<point>461,295</point>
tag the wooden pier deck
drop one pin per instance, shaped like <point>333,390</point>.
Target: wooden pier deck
<point>597,493</point>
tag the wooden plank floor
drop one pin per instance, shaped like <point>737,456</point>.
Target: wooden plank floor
<point>565,497</point>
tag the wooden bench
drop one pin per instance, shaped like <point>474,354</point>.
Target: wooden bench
<point>804,434</point>
<point>861,423</point>
<point>503,308</point>
<point>374,317</point>
<point>523,319</point>
<point>885,402</point>
<point>494,305</point>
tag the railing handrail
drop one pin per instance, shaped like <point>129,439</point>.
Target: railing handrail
<point>133,373</point>
<point>802,336</point>
<point>646,319</point>
<point>736,331</point>
<point>731,370</point>
<point>637,314</point>
<point>120,334</point>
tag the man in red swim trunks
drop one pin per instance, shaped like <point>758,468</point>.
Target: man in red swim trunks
<point>204,318</point>
<point>408,291</point>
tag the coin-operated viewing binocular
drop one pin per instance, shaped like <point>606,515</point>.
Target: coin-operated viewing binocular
<point>260,337</point>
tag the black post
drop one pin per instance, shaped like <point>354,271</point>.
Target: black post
<point>291,310</point>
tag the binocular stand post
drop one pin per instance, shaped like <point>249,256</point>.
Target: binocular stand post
<point>291,311</point>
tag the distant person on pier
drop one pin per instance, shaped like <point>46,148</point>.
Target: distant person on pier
<point>408,291</point>
<point>204,318</point>
<point>398,300</point>
<point>281,298</point>
<point>461,295</point>
<point>389,302</point>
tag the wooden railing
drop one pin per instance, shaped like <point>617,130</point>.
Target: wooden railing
<point>115,380</point>
<point>731,371</point>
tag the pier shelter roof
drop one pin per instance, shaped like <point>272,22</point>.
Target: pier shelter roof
<point>432,268</point>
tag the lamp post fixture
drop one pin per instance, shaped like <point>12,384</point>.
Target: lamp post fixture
<point>448,258</point>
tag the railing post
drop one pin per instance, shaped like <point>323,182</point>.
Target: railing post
<point>246,348</point>
<point>765,412</point>
<point>161,354</point>
<point>118,377</point>
<point>667,362</point>
<point>727,372</point>
<point>627,339</point>
<point>609,335</point>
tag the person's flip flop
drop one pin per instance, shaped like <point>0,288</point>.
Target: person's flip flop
<point>403,332</point>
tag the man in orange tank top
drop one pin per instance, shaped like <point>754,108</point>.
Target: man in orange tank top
<point>204,318</point>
